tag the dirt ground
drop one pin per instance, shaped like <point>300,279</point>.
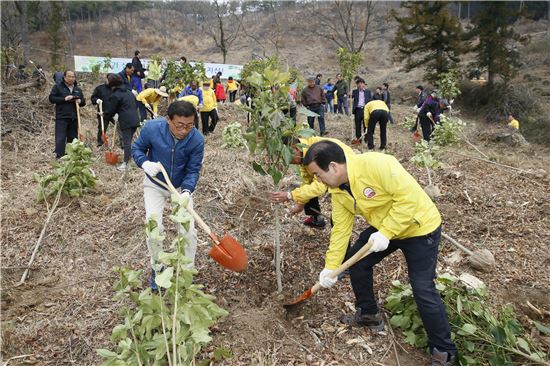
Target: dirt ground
<point>65,309</point>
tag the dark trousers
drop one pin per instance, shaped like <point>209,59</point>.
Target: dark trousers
<point>312,207</point>
<point>427,127</point>
<point>343,102</point>
<point>320,110</point>
<point>66,130</point>
<point>207,128</point>
<point>127,135</point>
<point>329,104</point>
<point>421,255</point>
<point>359,115</point>
<point>232,95</point>
<point>197,120</point>
<point>378,116</point>
<point>136,84</point>
<point>105,125</point>
<point>142,111</point>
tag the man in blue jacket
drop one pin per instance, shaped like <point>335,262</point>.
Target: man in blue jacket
<point>174,143</point>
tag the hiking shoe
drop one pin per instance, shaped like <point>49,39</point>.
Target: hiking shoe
<point>122,167</point>
<point>324,133</point>
<point>315,222</point>
<point>441,358</point>
<point>372,321</point>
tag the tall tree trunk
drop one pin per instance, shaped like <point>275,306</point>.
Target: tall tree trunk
<point>459,10</point>
<point>24,26</point>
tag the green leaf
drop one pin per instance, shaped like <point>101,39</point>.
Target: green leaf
<point>119,332</point>
<point>222,353</point>
<point>523,344</point>
<point>106,353</point>
<point>164,278</point>
<point>499,334</point>
<point>258,168</point>
<point>306,112</point>
<point>542,328</point>
<point>470,346</point>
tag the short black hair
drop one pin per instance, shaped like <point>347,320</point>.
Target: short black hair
<point>128,65</point>
<point>323,153</point>
<point>114,80</point>
<point>420,87</point>
<point>66,71</point>
<point>386,85</point>
<point>183,59</point>
<point>181,108</point>
<point>136,53</point>
<point>319,75</point>
<point>230,78</point>
<point>359,80</point>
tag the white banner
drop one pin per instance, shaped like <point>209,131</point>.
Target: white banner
<point>85,64</point>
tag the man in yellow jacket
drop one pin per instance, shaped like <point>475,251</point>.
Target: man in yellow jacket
<point>401,216</point>
<point>306,197</point>
<point>209,109</point>
<point>149,99</point>
<point>376,111</point>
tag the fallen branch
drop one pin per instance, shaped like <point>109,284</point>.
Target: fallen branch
<point>472,145</point>
<point>491,162</point>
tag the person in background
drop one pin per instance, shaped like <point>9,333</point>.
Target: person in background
<point>193,89</point>
<point>22,73</point>
<point>361,96</point>
<point>38,73</point>
<point>148,101</point>
<point>126,76</point>
<point>512,122</point>
<point>209,109</point>
<point>429,114</point>
<point>329,95</point>
<point>318,79</point>
<point>342,88</point>
<point>193,99</point>
<point>377,95</point>
<point>183,59</point>
<point>123,102</point>
<point>313,98</point>
<point>65,96</point>
<point>386,97</point>
<point>376,111</point>
<point>139,72</point>
<point>219,89</point>
<point>99,96</point>
<point>400,216</point>
<point>421,96</point>
<point>232,88</point>
<point>173,143</point>
<point>335,102</point>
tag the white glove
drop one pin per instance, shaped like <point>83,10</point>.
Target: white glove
<point>145,73</point>
<point>155,116</point>
<point>199,106</point>
<point>151,168</point>
<point>99,101</point>
<point>429,114</point>
<point>134,92</point>
<point>187,194</point>
<point>380,242</point>
<point>324,279</point>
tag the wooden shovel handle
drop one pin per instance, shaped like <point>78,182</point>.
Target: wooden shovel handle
<point>101,116</point>
<point>78,120</point>
<point>361,253</point>
<point>197,218</point>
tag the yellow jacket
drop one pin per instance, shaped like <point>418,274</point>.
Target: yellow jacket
<point>232,85</point>
<point>208,100</point>
<point>386,195</point>
<point>372,106</point>
<point>193,99</point>
<point>514,124</point>
<point>311,187</point>
<point>150,96</point>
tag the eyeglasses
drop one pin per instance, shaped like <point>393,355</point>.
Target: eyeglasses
<point>183,126</point>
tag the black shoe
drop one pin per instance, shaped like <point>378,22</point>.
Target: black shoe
<point>442,358</point>
<point>372,321</point>
<point>99,144</point>
<point>324,133</point>
<point>315,222</point>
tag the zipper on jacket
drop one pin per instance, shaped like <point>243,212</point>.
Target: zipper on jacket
<point>172,158</point>
<point>347,189</point>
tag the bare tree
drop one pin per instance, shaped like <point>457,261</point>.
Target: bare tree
<point>272,31</point>
<point>346,23</point>
<point>224,27</point>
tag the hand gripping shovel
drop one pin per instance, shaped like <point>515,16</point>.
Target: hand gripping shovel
<point>362,253</point>
<point>103,135</point>
<point>227,251</point>
<point>356,141</point>
<point>111,157</point>
<point>80,135</point>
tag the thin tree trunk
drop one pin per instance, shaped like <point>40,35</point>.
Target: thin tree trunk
<point>278,248</point>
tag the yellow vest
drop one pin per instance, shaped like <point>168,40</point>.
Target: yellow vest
<point>193,99</point>
<point>387,196</point>
<point>150,96</point>
<point>208,100</point>
<point>514,124</point>
<point>372,106</point>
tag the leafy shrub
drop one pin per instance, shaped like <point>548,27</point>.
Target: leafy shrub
<point>448,84</point>
<point>482,336</point>
<point>232,136</point>
<point>426,156</point>
<point>172,326</point>
<point>409,122</point>
<point>448,131</point>
<point>71,175</point>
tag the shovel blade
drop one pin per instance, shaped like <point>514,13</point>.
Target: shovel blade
<point>416,137</point>
<point>111,157</point>
<point>298,300</point>
<point>355,142</point>
<point>104,139</point>
<point>230,254</point>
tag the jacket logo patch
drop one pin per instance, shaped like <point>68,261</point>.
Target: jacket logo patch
<point>369,192</point>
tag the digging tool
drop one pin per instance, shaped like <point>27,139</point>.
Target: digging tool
<point>80,135</point>
<point>357,141</point>
<point>482,260</point>
<point>103,135</point>
<point>431,190</point>
<point>362,253</point>
<point>227,251</point>
<point>111,157</point>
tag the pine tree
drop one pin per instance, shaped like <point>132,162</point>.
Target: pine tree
<point>55,35</point>
<point>428,37</point>
<point>497,48</point>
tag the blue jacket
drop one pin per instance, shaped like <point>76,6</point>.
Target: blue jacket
<point>189,91</point>
<point>182,159</point>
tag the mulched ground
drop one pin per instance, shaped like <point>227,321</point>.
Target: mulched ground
<point>65,310</point>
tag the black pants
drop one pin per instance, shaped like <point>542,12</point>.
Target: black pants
<point>312,207</point>
<point>105,126</point>
<point>320,110</point>
<point>232,95</point>
<point>427,127</point>
<point>127,135</point>
<point>359,115</point>
<point>143,111</point>
<point>207,128</point>
<point>197,120</point>
<point>378,116</point>
<point>66,130</point>
<point>421,255</point>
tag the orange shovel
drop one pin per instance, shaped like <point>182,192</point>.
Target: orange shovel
<point>103,135</point>
<point>227,251</point>
<point>362,253</point>
<point>111,157</point>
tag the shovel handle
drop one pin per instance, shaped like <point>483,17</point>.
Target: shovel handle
<point>361,253</point>
<point>80,137</point>
<point>197,218</point>
<point>101,116</point>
